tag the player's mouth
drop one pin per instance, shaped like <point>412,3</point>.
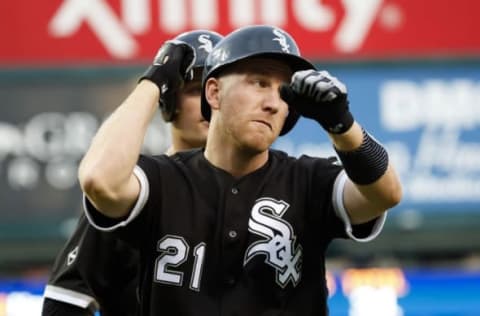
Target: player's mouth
<point>264,123</point>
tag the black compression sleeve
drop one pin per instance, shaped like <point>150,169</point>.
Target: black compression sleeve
<point>367,163</point>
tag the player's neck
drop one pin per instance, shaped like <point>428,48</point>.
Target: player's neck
<point>179,144</point>
<point>233,160</point>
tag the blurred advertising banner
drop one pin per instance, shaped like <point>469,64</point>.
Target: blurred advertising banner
<point>353,292</point>
<point>46,125</point>
<point>59,32</point>
<point>427,115</point>
<point>399,292</point>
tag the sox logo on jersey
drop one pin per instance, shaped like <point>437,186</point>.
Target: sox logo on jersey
<point>278,244</point>
<point>72,255</point>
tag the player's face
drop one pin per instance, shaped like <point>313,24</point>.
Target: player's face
<point>189,124</point>
<point>250,106</point>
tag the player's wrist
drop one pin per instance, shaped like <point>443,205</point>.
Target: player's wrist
<point>147,90</point>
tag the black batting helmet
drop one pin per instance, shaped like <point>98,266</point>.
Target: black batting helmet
<point>202,41</point>
<point>254,41</point>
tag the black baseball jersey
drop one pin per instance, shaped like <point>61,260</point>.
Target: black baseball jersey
<point>95,270</point>
<point>212,244</point>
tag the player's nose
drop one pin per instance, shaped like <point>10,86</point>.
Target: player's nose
<point>272,100</point>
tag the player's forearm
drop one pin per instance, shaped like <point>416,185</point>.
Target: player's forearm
<point>366,202</point>
<point>107,166</point>
<point>374,186</point>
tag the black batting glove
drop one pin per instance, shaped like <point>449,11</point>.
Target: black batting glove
<point>319,96</point>
<point>171,66</point>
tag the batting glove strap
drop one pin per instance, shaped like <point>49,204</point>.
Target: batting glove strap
<point>366,164</point>
<point>338,119</point>
<point>158,75</point>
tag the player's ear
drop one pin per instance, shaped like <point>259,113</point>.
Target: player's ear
<point>212,92</point>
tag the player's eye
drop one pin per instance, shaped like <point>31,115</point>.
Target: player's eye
<point>260,82</point>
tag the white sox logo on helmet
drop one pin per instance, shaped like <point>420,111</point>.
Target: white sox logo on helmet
<point>207,44</point>
<point>282,40</point>
<point>278,244</point>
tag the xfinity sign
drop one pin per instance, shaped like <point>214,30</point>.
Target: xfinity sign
<point>117,29</point>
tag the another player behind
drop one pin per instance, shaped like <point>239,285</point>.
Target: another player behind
<point>238,228</point>
<point>86,277</point>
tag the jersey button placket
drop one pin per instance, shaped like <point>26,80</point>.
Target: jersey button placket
<point>232,234</point>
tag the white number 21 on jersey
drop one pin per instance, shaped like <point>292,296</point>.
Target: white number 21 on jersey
<point>175,251</point>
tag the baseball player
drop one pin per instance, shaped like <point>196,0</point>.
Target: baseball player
<point>237,228</point>
<point>86,276</point>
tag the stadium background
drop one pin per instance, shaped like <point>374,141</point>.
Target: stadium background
<point>413,73</point>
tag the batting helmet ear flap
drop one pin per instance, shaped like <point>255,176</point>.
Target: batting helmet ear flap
<point>254,41</point>
<point>290,121</point>
<point>202,42</point>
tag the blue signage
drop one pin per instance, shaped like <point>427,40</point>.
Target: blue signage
<point>397,292</point>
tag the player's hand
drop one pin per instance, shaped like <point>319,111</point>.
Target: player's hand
<point>319,96</point>
<point>171,66</point>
